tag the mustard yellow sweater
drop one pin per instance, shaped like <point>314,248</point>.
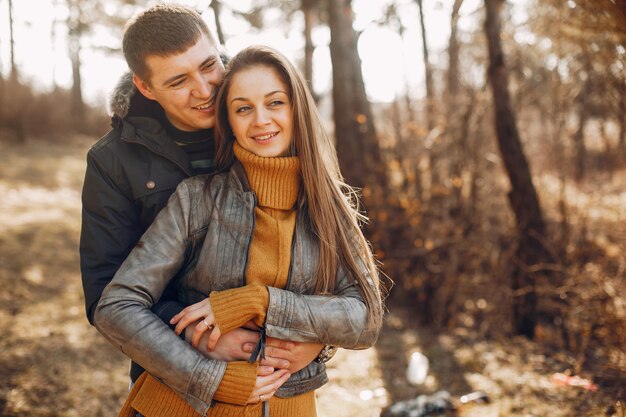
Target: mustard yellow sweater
<point>276,183</point>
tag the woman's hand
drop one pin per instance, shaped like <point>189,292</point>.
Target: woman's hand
<point>202,315</point>
<point>267,382</point>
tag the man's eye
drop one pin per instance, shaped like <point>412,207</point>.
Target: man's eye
<point>177,83</point>
<point>208,67</point>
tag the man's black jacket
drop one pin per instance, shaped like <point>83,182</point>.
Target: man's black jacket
<point>131,173</point>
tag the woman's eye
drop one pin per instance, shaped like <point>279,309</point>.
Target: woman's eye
<point>242,109</point>
<point>276,103</point>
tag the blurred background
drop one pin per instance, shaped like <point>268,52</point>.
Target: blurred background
<point>487,137</point>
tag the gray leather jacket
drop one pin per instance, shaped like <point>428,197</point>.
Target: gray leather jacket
<point>201,239</point>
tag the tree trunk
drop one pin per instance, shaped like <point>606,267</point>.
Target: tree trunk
<point>579,141</point>
<point>216,6</point>
<point>456,126</point>
<point>430,99</point>
<point>74,35</point>
<point>13,74</point>
<point>407,98</point>
<point>453,53</point>
<point>357,144</point>
<point>432,177</point>
<point>523,196</point>
<point>307,11</point>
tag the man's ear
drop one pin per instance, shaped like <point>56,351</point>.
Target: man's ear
<point>143,87</point>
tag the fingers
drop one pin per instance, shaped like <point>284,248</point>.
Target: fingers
<point>275,352</point>
<point>266,386</point>
<point>277,358</point>
<point>264,370</point>
<point>280,344</point>
<point>276,363</point>
<point>192,314</point>
<point>202,327</point>
<point>213,338</point>
<point>186,310</point>
<point>189,318</point>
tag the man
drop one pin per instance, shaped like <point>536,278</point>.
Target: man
<point>161,134</point>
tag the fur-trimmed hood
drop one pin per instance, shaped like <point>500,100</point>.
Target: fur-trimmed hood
<point>119,99</point>
<point>126,101</point>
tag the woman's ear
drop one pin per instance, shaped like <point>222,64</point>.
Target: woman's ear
<point>143,87</point>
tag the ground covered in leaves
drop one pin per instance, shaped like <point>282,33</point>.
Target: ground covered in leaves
<point>54,364</point>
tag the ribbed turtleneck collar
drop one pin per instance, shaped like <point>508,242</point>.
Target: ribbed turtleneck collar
<point>276,180</point>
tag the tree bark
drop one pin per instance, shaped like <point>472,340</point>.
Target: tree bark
<point>523,196</point>
<point>216,6</point>
<point>456,125</point>
<point>307,11</point>
<point>453,52</point>
<point>75,29</point>
<point>13,75</point>
<point>428,72</point>
<point>357,144</point>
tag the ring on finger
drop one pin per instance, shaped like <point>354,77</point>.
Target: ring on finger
<point>261,398</point>
<point>209,326</point>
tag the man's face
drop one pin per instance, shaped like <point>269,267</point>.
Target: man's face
<point>185,85</point>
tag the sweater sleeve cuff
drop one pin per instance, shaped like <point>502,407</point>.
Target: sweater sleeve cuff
<point>237,383</point>
<point>235,307</point>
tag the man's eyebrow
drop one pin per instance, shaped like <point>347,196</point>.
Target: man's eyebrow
<point>210,59</point>
<point>266,95</point>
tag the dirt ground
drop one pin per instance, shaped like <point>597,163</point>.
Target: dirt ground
<point>53,363</point>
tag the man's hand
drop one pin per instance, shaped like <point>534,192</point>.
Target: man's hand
<point>230,347</point>
<point>297,354</point>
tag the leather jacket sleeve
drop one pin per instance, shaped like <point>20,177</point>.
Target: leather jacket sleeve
<point>339,319</point>
<point>110,228</point>
<point>124,317</point>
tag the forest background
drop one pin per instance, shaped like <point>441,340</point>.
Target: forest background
<point>491,162</point>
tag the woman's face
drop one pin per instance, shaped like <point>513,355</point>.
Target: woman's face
<point>259,111</point>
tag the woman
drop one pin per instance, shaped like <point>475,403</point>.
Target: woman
<point>274,238</point>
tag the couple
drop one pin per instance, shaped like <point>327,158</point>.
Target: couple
<point>260,245</point>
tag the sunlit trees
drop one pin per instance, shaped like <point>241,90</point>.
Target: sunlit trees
<point>523,198</point>
<point>216,6</point>
<point>587,46</point>
<point>357,143</point>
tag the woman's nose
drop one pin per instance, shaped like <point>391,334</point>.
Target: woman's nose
<point>262,117</point>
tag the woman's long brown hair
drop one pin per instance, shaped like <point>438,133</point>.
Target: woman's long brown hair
<point>331,205</point>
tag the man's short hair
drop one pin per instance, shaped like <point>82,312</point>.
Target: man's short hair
<point>161,30</point>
